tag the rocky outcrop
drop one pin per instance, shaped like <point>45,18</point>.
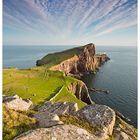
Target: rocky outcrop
<point>86,61</point>
<point>48,114</point>
<point>122,136</point>
<point>59,108</point>
<point>46,119</point>
<point>17,103</point>
<point>102,121</point>
<point>81,92</point>
<point>101,117</point>
<point>124,131</point>
<point>61,132</point>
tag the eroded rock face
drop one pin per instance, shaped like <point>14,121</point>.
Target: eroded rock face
<point>101,117</point>
<point>17,103</point>
<point>61,132</point>
<point>81,92</point>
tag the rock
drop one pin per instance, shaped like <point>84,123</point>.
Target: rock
<point>123,129</point>
<point>59,108</point>
<point>73,108</point>
<point>49,113</point>
<point>81,91</point>
<point>123,136</point>
<point>17,103</point>
<point>61,132</point>
<point>46,119</point>
<point>45,106</point>
<point>99,116</point>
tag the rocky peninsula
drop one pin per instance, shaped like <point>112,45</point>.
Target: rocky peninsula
<point>79,61</point>
<point>51,104</point>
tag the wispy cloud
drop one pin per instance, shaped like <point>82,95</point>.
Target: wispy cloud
<point>70,18</point>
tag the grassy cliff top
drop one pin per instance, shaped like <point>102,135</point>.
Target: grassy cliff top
<point>39,85</point>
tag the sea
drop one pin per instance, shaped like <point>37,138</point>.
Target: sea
<point>118,75</point>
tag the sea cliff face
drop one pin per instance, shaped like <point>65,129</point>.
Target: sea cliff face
<point>79,89</point>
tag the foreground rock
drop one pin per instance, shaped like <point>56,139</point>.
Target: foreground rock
<point>49,113</point>
<point>59,108</point>
<point>61,132</point>
<point>124,131</point>
<point>101,117</point>
<point>46,119</point>
<point>17,103</point>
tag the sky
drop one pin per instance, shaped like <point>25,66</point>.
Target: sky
<point>70,22</point>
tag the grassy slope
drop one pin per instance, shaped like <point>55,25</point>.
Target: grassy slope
<point>56,58</point>
<point>38,84</point>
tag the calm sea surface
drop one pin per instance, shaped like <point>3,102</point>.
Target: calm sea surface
<point>119,75</point>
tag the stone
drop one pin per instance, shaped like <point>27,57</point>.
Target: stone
<point>59,108</point>
<point>48,114</point>
<point>122,136</point>
<point>17,103</point>
<point>73,108</point>
<point>60,132</point>
<point>99,116</point>
<point>46,119</point>
<point>46,105</point>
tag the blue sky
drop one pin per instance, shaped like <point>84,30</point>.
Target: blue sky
<point>70,22</point>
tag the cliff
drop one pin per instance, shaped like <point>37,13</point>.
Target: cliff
<point>79,60</point>
<point>79,89</point>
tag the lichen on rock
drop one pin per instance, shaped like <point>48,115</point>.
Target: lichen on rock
<point>17,103</point>
<point>101,117</point>
<point>61,132</point>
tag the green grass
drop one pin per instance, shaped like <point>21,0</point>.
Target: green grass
<point>38,84</point>
<point>15,123</point>
<point>65,96</point>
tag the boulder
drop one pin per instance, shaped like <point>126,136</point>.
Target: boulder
<point>59,108</point>
<point>101,117</point>
<point>60,132</point>
<point>17,103</point>
<point>46,119</point>
<point>48,114</point>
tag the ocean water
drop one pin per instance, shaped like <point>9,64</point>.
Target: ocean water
<point>118,75</point>
<point>26,56</point>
